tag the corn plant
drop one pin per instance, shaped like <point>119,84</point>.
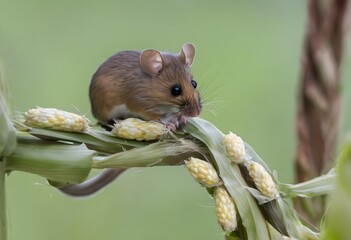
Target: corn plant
<point>249,200</point>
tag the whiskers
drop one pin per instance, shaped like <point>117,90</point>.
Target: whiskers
<point>216,93</point>
<point>212,105</point>
<point>212,99</point>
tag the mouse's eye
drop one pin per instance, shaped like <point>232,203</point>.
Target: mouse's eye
<point>176,90</point>
<point>194,83</point>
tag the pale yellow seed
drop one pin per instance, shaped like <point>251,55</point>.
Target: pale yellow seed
<point>235,147</point>
<point>262,180</point>
<point>203,172</point>
<point>225,209</point>
<point>52,118</point>
<point>136,129</point>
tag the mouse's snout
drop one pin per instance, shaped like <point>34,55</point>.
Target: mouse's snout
<point>193,108</point>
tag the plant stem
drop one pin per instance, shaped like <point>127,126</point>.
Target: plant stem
<point>3,218</point>
<point>319,96</point>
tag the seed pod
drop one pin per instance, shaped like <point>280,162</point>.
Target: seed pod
<point>235,147</point>
<point>262,179</point>
<point>136,129</point>
<point>203,172</point>
<point>52,118</point>
<point>225,209</point>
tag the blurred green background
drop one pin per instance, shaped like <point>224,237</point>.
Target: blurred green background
<point>246,64</point>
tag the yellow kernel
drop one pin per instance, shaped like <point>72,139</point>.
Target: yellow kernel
<point>235,147</point>
<point>203,172</point>
<point>52,118</point>
<point>133,128</point>
<point>225,209</point>
<point>262,179</point>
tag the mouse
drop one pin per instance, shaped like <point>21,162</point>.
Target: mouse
<point>149,85</point>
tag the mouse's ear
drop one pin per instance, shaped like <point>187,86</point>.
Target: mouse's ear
<point>187,53</point>
<point>151,61</point>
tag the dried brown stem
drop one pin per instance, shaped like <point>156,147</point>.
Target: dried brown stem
<point>319,101</point>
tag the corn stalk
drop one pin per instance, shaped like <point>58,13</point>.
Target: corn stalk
<point>3,139</point>
<point>3,218</point>
<point>319,100</point>
<point>67,157</point>
<point>7,146</point>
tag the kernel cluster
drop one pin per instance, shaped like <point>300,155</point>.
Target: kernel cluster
<point>52,118</point>
<point>136,129</point>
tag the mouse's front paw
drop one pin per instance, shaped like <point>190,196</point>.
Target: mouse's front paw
<point>172,126</point>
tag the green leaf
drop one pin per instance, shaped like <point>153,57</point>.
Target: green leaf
<point>318,186</point>
<point>166,152</point>
<point>338,217</point>
<point>94,139</point>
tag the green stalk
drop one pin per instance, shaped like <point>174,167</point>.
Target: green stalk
<point>3,217</point>
<point>7,146</point>
<point>58,162</point>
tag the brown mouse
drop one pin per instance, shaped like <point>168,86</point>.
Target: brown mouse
<point>149,85</point>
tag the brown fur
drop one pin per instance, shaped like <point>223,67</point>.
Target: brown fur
<point>122,80</point>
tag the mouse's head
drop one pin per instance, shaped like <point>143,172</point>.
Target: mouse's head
<point>172,93</point>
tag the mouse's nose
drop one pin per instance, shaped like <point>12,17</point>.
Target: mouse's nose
<point>193,108</point>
